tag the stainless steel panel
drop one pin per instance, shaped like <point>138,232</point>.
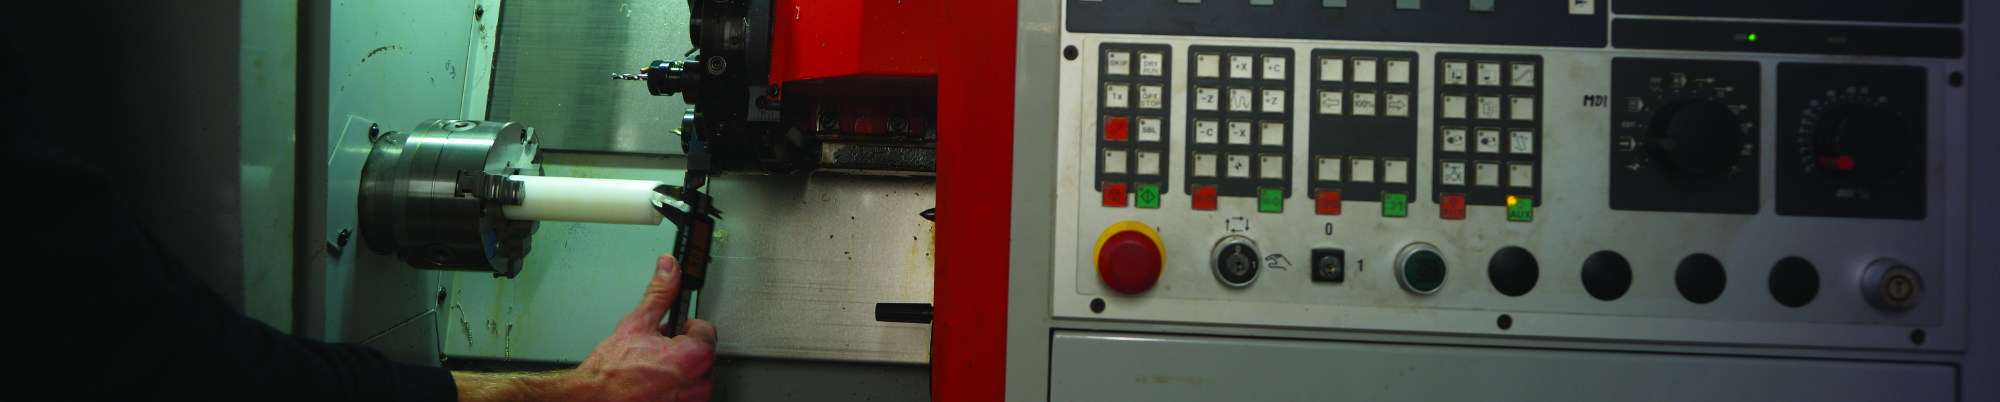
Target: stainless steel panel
<point>744,379</point>
<point>552,67</point>
<point>800,262</point>
<point>1110,366</point>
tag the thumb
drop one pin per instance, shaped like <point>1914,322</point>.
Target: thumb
<point>658,299</point>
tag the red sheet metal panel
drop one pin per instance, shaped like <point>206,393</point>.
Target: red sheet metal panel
<point>834,38</point>
<point>975,180</point>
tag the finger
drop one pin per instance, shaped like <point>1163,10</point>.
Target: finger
<point>700,330</point>
<point>659,296</point>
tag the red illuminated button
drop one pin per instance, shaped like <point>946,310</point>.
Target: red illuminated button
<point>1326,202</point>
<point>1114,128</point>
<point>1204,198</point>
<point>1129,257</point>
<point>1453,206</point>
<point>1114,194</point>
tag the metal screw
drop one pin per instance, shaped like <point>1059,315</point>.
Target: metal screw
<point>479,12</point>
<point>716,65</point>
<point>1917,337</point>
<point>374,132</point>
<point>340,240</point>
<point>1069,52</point>
<point>1097,306</point>
<point>1506,322</point>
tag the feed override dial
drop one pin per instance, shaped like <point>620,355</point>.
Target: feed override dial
<point>1853,136</point>
<point>1851,140</point>
<point>1684,135</point>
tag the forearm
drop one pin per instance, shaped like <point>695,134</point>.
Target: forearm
<point>516,387</point>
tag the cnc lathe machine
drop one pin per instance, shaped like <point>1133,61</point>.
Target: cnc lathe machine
<point>1181,199</point>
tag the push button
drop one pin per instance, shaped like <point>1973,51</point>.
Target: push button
<point>1451,206</point>
<point>1270,200</point>
<point>1420,269</point>
<point>1326,202</point>
<point>1204,198</point>
<point>1114,129</point>
<point>1148,196</point>
<point>1114,194</point>
<point>1395,205</point>
<point>1129,257</point>
<point>1271,166</point>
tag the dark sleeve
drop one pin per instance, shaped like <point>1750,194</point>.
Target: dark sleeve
<point>99,310</point>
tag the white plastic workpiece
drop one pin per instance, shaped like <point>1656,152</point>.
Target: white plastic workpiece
<point>569,199</point>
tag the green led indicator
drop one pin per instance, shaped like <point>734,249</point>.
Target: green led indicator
<point>1753,37</point>
<point>1395,204</point>
<point>1520,208</point>
<point>1270,200</point>
<point>1149,196</point>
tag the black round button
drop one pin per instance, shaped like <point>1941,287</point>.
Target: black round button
<point>1794,282</point>
<point>1700,278</point>
<point>1513,271</point>
<point>1606,275</point>
<point>1694,136</point>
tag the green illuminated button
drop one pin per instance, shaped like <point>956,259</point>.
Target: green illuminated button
<point>1395,204</point>
<point>1420,269</point>
<point>1149,196</point>
<point>1520,208</point>
<point>1270,200</point>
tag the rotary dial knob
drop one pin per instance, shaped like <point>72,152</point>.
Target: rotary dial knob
<point>1861,143</point>
<point>1699,137</point>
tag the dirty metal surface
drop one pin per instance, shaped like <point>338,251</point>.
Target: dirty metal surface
<point>552,68</point>
<point>396,64</point>
<point>804,259</point>
<point>1120,366</point>
<point>800,262</point>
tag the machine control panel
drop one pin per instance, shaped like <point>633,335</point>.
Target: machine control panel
<point>1334,180</point>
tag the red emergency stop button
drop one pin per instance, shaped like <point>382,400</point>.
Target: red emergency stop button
<point>1129,257</point>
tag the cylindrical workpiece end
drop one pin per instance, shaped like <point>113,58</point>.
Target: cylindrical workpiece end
<point>569,199</point>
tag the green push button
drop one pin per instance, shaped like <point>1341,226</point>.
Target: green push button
<point>1420,269</point>
<point>1149,196</point>
<point>1270,200</point>
<point>1520,208</point>
<point>1395,204</point>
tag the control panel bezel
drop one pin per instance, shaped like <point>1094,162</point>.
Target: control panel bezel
<point>1572,218</point>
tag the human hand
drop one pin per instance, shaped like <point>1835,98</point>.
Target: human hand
<point>639,363</point>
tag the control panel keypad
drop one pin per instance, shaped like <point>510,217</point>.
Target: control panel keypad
<point>1363,138</point>
<point>1488,128</point>
<point>1239,142</point>
<point>1132,109</point>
